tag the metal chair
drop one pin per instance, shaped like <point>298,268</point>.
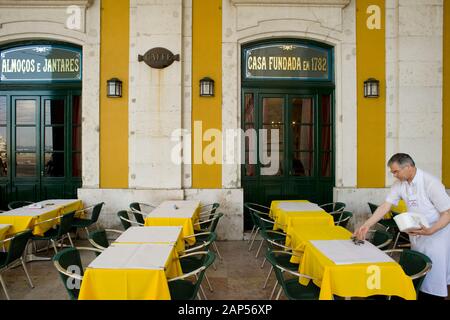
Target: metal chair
<point>291,287</point>
<point>59,233</point>
<point>207,211</point>
<point>86,223</point>
<point>8,259</point>
<point>182,289</point>
<point>391,226</point>
<point>415,264</point>
<point>126,221</point>
<point>209,225</point>
<point>18,204</point>
<point>140,210</point>
<point>257,210</point>
<point>333,207</point>
<point>342,218</point>
<point>68,264</point>
<point>379,238</point>
<point>99,238</point>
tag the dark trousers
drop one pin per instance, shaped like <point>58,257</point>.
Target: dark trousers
<point>427,296</point>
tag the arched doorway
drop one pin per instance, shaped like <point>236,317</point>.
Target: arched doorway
<point>40,121</point>
<point>288,86</point>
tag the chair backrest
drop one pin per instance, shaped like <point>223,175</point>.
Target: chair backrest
<point>210,208</point>
<point>416,265</point>
<point>342,219</point>
<point>96,211</point>
<point>99,239</point>
<point>211,223</point>
<point>199,274</point>
<point>380,238</point>
<point>275,240</point>
<point>372,207</point>
<point>17,246</point>
<point>124,214</point>
<point>66,223</point>
<point>202,244</point>
<point>333,207</point>
<point>70,257</point>
<point>17,204</point>
<point>135,205</point>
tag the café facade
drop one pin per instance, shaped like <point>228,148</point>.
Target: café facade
<point>227,101</point>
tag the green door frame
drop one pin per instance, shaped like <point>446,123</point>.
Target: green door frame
<point>317,187</point>
<point>41,187</point>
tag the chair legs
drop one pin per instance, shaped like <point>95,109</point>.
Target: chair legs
<point>217,250</point>
<point>253,240</point>
<point>4,287</point>
<point>26,272</point>
<point>268,276</point>
<point>209,284</point>
<point>251,234</point>
<point>396,240</point>
<point>259,249</point>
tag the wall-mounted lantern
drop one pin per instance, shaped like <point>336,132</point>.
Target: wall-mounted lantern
<point>206,87</point>
<point>371,88</point>
<point>114,88</point>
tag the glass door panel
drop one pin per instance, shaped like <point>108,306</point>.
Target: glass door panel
<point>273,136</point>
<point>54,110</point>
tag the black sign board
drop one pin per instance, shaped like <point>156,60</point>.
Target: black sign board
<point>159,58</point>
<point>288,61</point>
<point>40,63</point>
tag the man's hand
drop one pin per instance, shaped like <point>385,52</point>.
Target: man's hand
<point>360,234</point>
<point>423,231</point>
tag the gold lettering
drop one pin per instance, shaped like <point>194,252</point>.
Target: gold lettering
<point>77,65</point>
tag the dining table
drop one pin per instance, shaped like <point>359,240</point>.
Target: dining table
<point>347,269</point>
<point>184,213</point>
<point>131,272</point>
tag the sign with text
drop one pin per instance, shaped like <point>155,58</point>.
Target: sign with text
<point>288,61</point>
<point>40,63</point>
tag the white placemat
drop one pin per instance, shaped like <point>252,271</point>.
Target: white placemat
<point>346,252</point>
<point>134,256</point>
<point>299,206</point>
<point>152,234</point>
<point>175,209</point>
<point>39,208</point>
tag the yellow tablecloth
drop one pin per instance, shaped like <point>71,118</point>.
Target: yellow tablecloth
<point>284,219</point>
<point>4,230</point>
<point>129,284</point>
<point>22,222</point>
<point>354,280</point>
<point>302,233</point>
<point>186,223</point>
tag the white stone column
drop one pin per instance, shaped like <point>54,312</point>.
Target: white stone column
<point>155,94</point>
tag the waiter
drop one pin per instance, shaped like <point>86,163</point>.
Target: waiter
<point>426,195</point>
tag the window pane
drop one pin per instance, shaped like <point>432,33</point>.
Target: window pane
<point>54,139</point>
<point>54,111</point>
<point>274,166</point>
<point>76,138</point>
<point>3,110</point>
<point>270,135</point>
<point>249,107</point>
<point>76,164</point>
<point>3,153</point>
<point>326,109</point>
<point>250,167</point>
<point>302,164</point>
<point>326,138</point>
<point>325,167</point>
<point>25,111</point>
<point>303,137</point>
<point>302,110</point>
<point>25,164</point>
<point>26,139</point>
<point>273,110</point>
<point>54,164</point>
<point>76,110</point>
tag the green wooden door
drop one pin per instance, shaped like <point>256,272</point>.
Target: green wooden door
<point>304,145</point>
<point>41,155</point>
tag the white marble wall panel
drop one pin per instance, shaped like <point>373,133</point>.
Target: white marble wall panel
<point>120,199</point>
<point>414,82</point>
<point>155,95</point>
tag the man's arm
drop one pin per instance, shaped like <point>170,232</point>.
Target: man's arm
<point>377,216</point>
<point>443,221</point>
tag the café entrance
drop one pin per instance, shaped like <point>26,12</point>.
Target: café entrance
<point>288,95</point>
<point>40,122</point>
